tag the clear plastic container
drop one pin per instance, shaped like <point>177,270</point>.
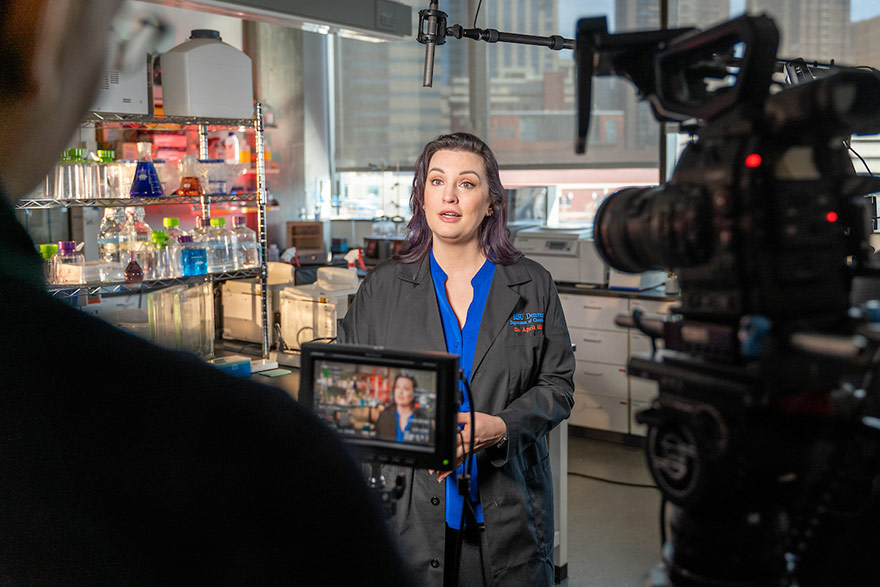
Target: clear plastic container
<point>160,310</point>
<point>182,318</point>
<point>68,264</point>
<point>175,259</point>
<point>220,243</point>
<point>108,245</point>
<point>90,172</point>
<point>104,184</point>
<point>194,319</point>
<point>247,248</point>
<point>48,251</point>
<point>198,231</point>
<point>172,228</point>
<point>221,176</point>
<point>193,256</point>
<point>142,231</point>
<point>161,260</point>
<point>126,235</point>
<point>68,180</point>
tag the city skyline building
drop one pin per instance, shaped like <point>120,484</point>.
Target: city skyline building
<point>815,30</point>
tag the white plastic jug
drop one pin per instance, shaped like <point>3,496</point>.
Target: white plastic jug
<point>205,77</point>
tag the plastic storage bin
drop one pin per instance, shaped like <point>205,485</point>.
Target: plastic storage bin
<point>182,318</point>
<point>312,311</point>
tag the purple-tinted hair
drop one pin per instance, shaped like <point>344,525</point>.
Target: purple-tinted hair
<point>494,234</point>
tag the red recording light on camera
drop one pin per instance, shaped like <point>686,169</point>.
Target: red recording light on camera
<point>753,160</point>
<point>831,216</point>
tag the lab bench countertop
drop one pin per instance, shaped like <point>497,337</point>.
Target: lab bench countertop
<point>289,382</point>
<point>658,293</point>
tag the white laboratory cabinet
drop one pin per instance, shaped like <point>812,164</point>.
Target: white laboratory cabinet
<point>605,396</point>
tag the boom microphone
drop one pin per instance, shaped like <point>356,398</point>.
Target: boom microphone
<point>432,32</point>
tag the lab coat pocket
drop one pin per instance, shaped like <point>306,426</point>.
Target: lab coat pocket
<point>524,359</point>
<point>539,484</point>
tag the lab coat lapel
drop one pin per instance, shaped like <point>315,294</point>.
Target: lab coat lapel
<point>500,304</point>
<point>420,320</point>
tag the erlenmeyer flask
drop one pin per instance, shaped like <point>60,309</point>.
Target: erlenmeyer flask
<point>190,182</point>
<point>146,182</point>
<point>134,273</point>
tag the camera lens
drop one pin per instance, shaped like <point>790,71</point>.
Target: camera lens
<point>638,229</point>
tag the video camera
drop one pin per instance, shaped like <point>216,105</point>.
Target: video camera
<point>764,433</point>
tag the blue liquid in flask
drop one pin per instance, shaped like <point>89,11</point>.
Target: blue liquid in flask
<point>146,182</point>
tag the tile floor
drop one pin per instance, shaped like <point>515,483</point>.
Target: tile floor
<point>613,529</point>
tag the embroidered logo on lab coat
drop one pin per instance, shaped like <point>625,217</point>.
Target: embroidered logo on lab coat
<point>527,322</point>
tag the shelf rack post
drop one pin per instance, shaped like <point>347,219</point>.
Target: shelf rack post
<point>203,155</point>
<point>262,200</point>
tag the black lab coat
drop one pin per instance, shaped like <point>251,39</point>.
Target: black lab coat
<point>522,372</point>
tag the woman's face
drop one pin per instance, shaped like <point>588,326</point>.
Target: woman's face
<point>456,196</point>
<point>404,391</point>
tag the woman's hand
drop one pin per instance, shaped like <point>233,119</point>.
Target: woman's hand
<point>489,430</point>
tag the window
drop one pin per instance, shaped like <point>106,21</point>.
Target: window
<point>384,116</point>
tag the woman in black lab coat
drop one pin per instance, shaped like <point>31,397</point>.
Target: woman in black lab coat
<point>458,285</point>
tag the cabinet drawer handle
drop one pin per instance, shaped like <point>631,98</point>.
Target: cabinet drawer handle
<point>592,340</point>
<point>593,308</point>
<point>592,374</point>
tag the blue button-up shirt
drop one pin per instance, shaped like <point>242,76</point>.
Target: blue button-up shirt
<point>462,342</point>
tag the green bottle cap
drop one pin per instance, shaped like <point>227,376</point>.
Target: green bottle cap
<point>169,222</point>
<point>48,250</point>
<point>77,154</point>
<point>218,222</point>
<point>106,155</point>
<point>158,235</point>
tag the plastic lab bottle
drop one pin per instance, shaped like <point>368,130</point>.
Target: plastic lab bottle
<point>69,265</point>
<point>172,228</point>
<point>231,148</point>
<point>272,254</point>
<point>48,251</point>
<point>161,268</point>
<point>108,245</point>
<point>247,249</point>
<point>221,246</point>
<point>194,258</point>
<point>198,230</point>
<point>167,262</point>
<point>142,231</point>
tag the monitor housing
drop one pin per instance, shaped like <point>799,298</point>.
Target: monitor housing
<point>349,386</point>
